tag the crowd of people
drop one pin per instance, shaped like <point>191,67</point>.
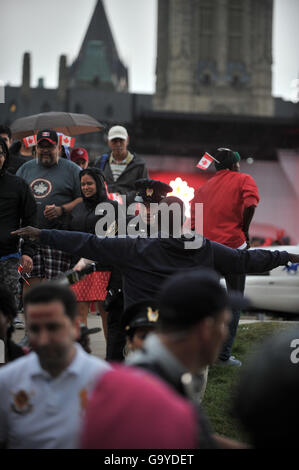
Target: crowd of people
<point>165,316</point>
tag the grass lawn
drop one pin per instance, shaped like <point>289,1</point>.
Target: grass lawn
<point>221,380</point>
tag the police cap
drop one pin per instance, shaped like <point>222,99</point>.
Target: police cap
<point>149,190</point>
<point>141,314</point>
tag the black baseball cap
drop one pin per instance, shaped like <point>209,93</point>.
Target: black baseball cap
<point>188,297</point>
<point>49,135</point>
<point>149,190</point>
<point>144,313</point>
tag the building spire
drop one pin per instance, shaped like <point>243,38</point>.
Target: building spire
<point>98,63</point>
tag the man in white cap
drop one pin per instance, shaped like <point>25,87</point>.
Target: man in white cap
<point>121,167</point>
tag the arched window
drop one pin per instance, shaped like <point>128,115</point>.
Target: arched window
<point>206,79</point>
<point>235,37</point>
<point>206,29</point>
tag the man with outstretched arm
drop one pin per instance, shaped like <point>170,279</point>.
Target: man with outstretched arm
<point>145,263</point>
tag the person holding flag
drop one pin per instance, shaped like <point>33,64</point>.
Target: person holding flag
<point>229,200</point>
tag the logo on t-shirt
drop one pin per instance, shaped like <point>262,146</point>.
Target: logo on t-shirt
<point>41,187</point>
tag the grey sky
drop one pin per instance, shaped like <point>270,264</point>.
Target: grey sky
<point>50,28</point>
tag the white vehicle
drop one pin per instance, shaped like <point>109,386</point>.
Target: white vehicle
<point>277,290</point>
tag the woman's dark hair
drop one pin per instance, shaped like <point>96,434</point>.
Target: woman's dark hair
<point>49,292</point>
<point>101,194</point>
<point>5,130</point>
<point>6,153</point>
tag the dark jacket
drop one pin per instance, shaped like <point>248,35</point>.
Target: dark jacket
<point>155,358</point>
<point>17,209</point>
<point>135,170</point>
<point>83,217</point>
<point>16,159</point>
<point>145,263</point>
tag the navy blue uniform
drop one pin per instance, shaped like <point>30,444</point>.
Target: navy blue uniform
<point>145,263</point>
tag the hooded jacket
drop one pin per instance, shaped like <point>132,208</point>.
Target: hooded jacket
<point>83,217</point>
<point>145,263</point>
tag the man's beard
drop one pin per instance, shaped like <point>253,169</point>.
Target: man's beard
<point>47,163</point>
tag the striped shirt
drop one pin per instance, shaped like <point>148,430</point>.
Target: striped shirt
<point>118,168</point>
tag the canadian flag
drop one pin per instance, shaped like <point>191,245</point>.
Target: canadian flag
<point>30,141</point>
<point>205,161</point>
<point>115,197</point>
<point>66,140</point>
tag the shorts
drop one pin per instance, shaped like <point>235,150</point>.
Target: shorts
<point>49,263</point>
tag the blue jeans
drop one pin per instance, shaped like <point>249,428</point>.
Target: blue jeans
<point>233,282</point>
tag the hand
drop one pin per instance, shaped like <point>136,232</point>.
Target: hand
<point>247,240</point>
<point>80,265</point>
<point>28,232</point>
<point>52,212</point>
<point>26,263</point>
<point>293,258</point>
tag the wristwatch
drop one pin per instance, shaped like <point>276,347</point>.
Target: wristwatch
<point>63,210</point>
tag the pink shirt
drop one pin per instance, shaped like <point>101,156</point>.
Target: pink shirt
<point>224,198</point>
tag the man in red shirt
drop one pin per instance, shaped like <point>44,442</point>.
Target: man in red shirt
<point>229,200</point>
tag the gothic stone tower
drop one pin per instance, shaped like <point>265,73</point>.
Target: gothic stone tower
<point>214,56</point>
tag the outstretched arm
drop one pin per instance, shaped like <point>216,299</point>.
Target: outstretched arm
<point>110,251</point>
<point>228,260</point>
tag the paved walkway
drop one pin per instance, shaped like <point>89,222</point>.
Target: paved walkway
<point>97,340</point>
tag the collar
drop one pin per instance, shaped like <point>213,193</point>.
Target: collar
<point>172,366</point>
<point>75,367</point>
<point>126,160</point>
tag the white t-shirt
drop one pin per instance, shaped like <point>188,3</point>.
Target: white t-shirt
<point>38,411</point>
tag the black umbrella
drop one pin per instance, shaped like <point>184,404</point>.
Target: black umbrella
<point>67,123</point>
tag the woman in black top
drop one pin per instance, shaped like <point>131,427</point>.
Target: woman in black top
<point>84,218</point>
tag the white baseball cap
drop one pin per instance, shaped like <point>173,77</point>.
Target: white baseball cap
<point>117,132</point>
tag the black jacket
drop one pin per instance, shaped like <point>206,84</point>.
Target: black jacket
<point>145,263</point>
<point>135,170</point>
<point>155,358</point>
<point>83,218</point>
<point>17,209</point>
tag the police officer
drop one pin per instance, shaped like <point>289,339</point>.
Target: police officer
<point>148,191</point>
<point>138,321</point>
